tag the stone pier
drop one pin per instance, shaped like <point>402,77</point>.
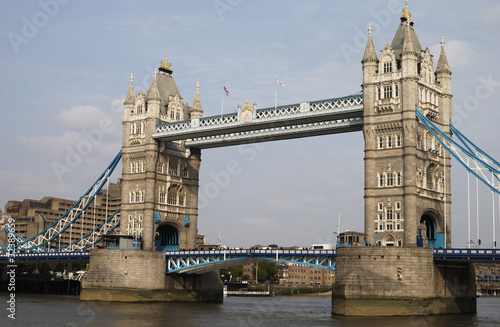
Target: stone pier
<point>400,281</point>
<point>139,276</point>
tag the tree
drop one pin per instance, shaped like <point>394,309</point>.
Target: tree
<point>266,270</point>
<point>232,273</point>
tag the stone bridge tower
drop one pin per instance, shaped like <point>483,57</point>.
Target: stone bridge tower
<point>407,172</point>
<point>159,179</point>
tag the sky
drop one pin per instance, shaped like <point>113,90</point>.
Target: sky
<point>65,68</point>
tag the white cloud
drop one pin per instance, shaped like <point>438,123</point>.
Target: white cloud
<point>82,117</point>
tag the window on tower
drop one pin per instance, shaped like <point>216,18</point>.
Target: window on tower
<point>380,180</point>
<point>387,92</point>
<point>387,67</point>
<point>380,144</point>
<point>390,179</point>
<point>396,90</point>
<point>389,141</point>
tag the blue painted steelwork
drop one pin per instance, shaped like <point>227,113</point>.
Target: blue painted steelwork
<point>37,242</point>
<point>202,261</point>
<point>50,256</point>
<point>482,255</point>
<point>478,156</point>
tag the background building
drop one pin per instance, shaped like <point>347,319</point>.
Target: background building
<point>33,216</point>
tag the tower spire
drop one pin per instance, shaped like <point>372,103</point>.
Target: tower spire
<point>370,52</point>
<point>408,46</point>
<point>165,66</point>
<point>130,94</point>
<point>196,109</point>
<point>154,92</point>
<point>406,14</point>
<point>442,66</point>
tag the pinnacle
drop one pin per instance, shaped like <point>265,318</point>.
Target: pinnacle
<point>370,53</point>
<point>154,93</point>
<point>130,94</point>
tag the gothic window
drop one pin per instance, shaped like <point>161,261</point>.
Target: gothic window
<point>159,169</point>
<point>172,114</point>
<point>131,197</point>
<point>378,93</point>
<point>389,141</point>
<point>137,198</point>
<point>143,166</point>
<point>380,206</point>
<point>172,167</point>
<point>389,214</point>
<point>141,196</point>
<point>182,197</point>
<point>398,216</point>
<point>399,241</point>
<point>396,90</point>
<point>381,227</point>
<point>399,178</point>
<point>380,180</point>
<point>172,196</point>
<point>380,144</point>
<point>132,168</point>
<point>390,179</point>
<point>185,171</point>
<point>398,205</point>
<point>178,115</point>
<point>136,167</point>
<point>139,109</point>
<point>379,216</point>
<point>389,226</point>
<point>387,92</point>
<point>162,197</point>
<point>398,141</point>
<point>387,67</point>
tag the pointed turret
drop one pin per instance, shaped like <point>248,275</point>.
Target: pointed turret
<point>197,110</point>
<point>130,94</point>
<point>442,66</point>
<point>408,46</point>
<point>154,93</point>
<point>370,52</point>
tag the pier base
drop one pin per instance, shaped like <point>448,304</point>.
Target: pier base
<point>400,281</point>
<point>140,276</point>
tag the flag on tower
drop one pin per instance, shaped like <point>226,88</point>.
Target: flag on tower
<point>226,90</point>
<point>279,82</point>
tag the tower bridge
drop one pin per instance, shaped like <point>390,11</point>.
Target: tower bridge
<point>404,112</point>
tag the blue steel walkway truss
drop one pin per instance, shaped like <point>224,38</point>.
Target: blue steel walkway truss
<point>199,262</point>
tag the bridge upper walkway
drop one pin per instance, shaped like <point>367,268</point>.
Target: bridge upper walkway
<point>329,116</point>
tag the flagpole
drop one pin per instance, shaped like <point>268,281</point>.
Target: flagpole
<point>222,105</point>
<point>276,93</point>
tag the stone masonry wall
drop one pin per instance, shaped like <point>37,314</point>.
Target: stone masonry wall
<point>125,269</point>
<point>384,272</point>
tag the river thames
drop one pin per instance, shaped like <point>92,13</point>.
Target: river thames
<point>58,310</point>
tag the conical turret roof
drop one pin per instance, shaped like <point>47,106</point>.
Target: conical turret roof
<point>442,66</point>
<point>370,52</point>
<point>130,94</point>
